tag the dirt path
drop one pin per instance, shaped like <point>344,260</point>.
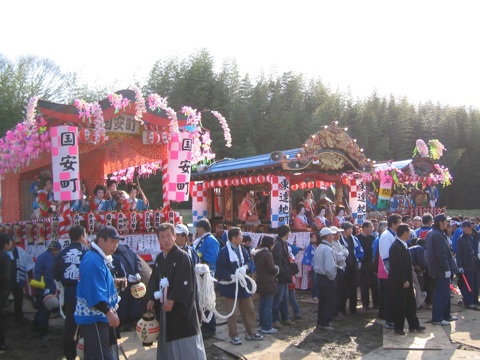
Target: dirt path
<point>354,337</point>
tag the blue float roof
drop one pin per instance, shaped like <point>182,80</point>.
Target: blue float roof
<point>256,162</point>
<point>394,164</point>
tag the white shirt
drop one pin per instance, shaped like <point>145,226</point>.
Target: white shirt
<point>386,240</point>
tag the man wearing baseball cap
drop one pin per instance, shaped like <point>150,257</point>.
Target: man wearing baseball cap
<point>97,297</point>
<point>43,268</point>
<point>417,222</point>
<point>468,263</point>
<point>440,267</point>
<point>181,236</point>
<point>326,270</point>
<point>341,253</point>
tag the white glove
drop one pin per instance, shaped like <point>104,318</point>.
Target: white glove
<point>243,270</point>
<point>359,265</point>
<point>134,278</point>
<point>46,292</point>
<point>460,270</point>
<point>448,274</point>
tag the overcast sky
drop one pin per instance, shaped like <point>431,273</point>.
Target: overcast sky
<point>424,50</point>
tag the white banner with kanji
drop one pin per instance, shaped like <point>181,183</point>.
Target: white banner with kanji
<point>280,201</point>
<point>179,167</point>
<point>199,202</point>
<point>357,200</point>
<point>65,163</point>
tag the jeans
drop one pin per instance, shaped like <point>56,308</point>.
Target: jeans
<point>69,343</point>
<point>294,303</point>
<point>441,300</point>
<point>385,301</point>
<point>327,300</point>
<point>338,292</point>
<point>280,303</point>
<point>467,295</point>
<point>476,286</point>
<point>314,290</point>
<point>40,321</point>
<point>350,291</point>
<point>3,303</point>
<point>265,311</point>
<point>17,293</point>
<point>368,281</point>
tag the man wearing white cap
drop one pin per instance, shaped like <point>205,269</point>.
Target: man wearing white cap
<point>326,270</point>
<point>341,254</point>
<point>181,236</point>
<point>417,222</point>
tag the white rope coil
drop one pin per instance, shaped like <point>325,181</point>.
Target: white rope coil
<point>206,290</point>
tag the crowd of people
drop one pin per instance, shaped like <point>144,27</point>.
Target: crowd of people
<point>400,265</point>
<point>103,198</point>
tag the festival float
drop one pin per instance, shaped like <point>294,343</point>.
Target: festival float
<point>123,137</point>
<point>328,158</point>
<point>408,187</point>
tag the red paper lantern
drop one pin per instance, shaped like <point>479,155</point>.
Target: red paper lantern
<point>100,139</point>
<point>318,184</point>
<point>206,185</point>
<point>244,181</point>
<point>269,178</point>
<point>261,179</point>
<point>219,183</point>
<point>294,187</point>
<point>310,184</point>
<point>84,135</point>
<point>212,183</point>
<point>165,137</point>
<point>154,138</point>
<point>227,181</point>
<point>302,186</point>
<point>252,180</point>
<point>236,182</point>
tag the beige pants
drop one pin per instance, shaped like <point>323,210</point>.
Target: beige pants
<point>246,311</point>
<point>419,294</point>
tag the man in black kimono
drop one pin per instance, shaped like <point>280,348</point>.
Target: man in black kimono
<point>180,336</point>
<point>400,283</point>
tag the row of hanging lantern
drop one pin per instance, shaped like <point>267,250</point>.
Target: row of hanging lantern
<point>261,179</point>
<point>304,185</point>
<point>237,181</point>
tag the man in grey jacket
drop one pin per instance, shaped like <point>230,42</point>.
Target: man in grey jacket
<point>325,270</point>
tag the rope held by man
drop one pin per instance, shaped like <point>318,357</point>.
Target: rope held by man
<point>206,290</point>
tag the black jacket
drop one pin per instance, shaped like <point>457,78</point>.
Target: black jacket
<point>466,253</point>
<point>281,259</point>
<point>400,265</point>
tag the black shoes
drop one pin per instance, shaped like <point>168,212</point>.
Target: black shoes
<point>5,347</point>
<point>399,331</point>
<point>417,329</point>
